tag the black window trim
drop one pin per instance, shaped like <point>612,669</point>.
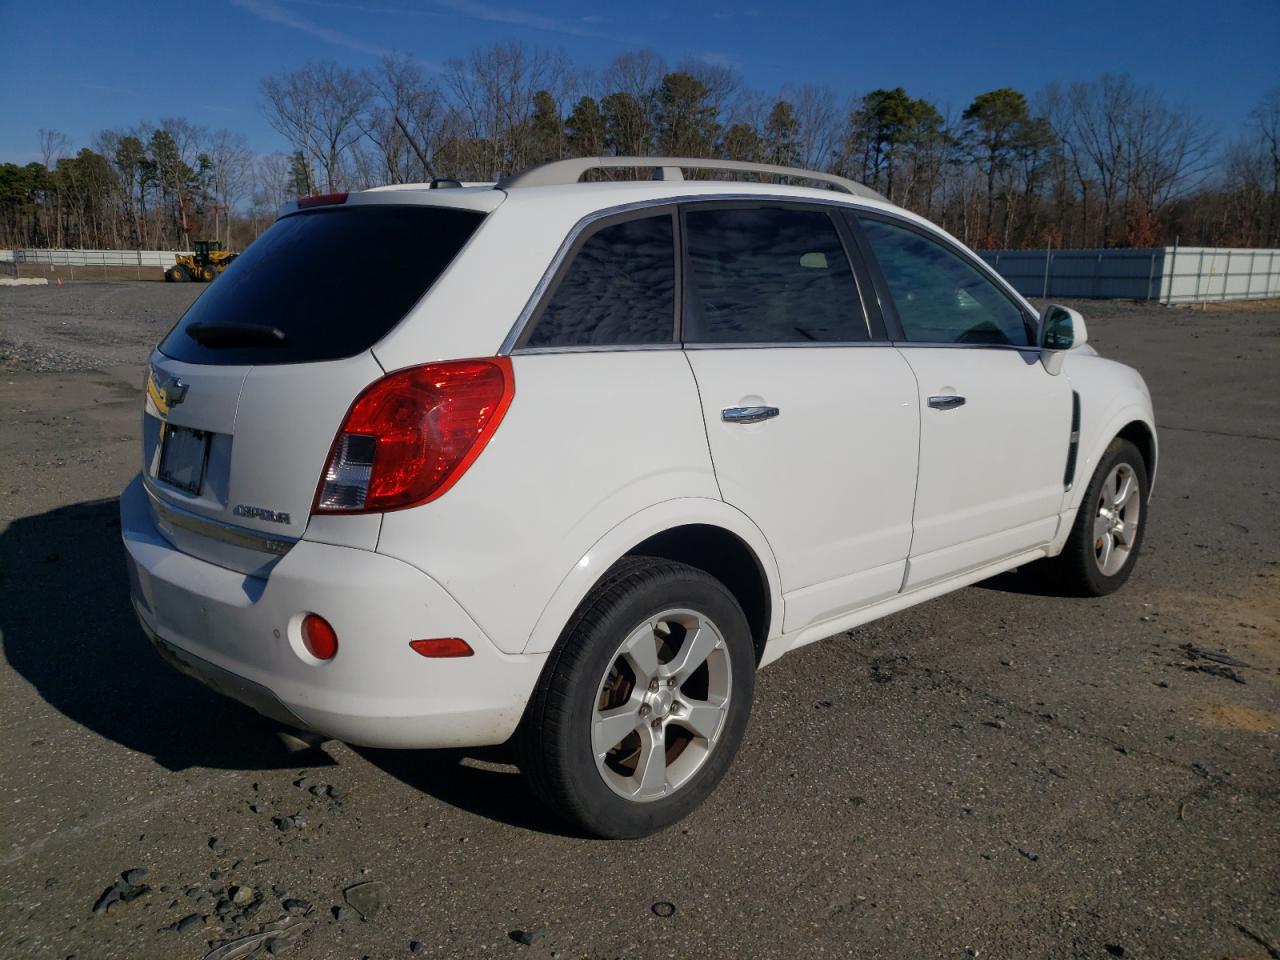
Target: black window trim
<point>884,295</point>
<point>563,263</point>
<point>518,335</point>
<point>876,333</point>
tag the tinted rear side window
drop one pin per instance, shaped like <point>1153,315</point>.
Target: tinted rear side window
<point>619,289</point>
<point>334,281</point>
<point>768,275</point>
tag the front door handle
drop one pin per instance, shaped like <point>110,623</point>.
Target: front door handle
<point>949,402</point>
<point>748,414</point>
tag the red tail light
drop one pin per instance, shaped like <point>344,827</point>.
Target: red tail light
<point>410,436</point>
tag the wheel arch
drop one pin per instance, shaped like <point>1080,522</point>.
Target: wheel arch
<point>726,557</point>
<point>1127,420</point>
<point>708,534</point>
<point>1115,402</point>
<point>1143,436</point>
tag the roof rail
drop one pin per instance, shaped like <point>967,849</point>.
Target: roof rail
<point>561,172</point>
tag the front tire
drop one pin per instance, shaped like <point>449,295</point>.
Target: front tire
<point>1110,525</point>
<point>644,702</point>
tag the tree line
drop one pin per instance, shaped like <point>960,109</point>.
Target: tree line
<point>1100,163</point>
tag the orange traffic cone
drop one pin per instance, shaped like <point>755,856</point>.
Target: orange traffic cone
<point>59,281</point>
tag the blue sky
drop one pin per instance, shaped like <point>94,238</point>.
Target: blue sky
<point>79,67</point>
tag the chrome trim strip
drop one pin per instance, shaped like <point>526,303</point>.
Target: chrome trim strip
<point>513,337</point>
<point>594,348</point>
<point>734,345</point>
<point>785,345</point>
<point>908,344</point>
<point>216,529</point>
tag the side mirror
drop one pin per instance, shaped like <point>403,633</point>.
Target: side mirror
<point>1061,329</point>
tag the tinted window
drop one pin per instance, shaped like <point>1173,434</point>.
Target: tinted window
<point>941,297</point>
<point>619,289</point>
<point>334,281</point>
<point>768,275</point>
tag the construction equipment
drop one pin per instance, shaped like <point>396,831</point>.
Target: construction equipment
<point>203,266</point>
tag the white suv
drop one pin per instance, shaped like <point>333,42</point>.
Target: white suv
<point>563,463</point>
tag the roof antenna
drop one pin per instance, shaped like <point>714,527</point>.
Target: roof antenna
<point>413,144</point>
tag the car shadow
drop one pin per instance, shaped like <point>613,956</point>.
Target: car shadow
<point>483,782</point>
<point>68,628</point>
<point>1034,580</point>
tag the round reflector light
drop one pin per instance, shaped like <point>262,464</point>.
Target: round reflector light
<point>319,637</point>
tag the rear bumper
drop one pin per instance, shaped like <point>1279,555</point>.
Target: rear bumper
<point>240,635</point>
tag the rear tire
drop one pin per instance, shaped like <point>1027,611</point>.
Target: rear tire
<point>643,703</point>
<point>1109,528</point>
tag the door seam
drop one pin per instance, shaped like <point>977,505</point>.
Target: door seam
<point>915,496</point>
<point>706,431</point>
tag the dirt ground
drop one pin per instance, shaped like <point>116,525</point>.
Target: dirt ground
<point>993,774</point>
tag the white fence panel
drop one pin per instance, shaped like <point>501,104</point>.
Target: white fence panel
<point>99,258</point>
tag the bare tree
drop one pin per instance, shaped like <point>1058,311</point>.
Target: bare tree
<point>405,119</point>
<point>230,167</point>
<point>818,113</point>
<point>54,145</point>
<point>494,90</point>
<point>318,109</point>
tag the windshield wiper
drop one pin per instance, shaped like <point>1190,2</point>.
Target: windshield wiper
<point>236,335</point>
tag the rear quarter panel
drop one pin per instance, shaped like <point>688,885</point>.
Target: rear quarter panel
<point>591,438</point>
<point>476,301</point>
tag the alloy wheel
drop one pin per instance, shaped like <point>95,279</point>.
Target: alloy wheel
<point>1116,517</point>
<point>661,705</point>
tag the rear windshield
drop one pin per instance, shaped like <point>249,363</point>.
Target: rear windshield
<point>332,281</point>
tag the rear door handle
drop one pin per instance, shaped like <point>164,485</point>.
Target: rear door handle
<point>748,414</point>
<point>949,402</point>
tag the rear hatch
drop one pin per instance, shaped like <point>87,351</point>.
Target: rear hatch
<point>246,393</point>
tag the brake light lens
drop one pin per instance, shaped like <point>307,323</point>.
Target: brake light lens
<point>321,200</point>
<point>410,436</point>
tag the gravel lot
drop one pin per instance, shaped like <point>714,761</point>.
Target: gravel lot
<point>993,774</point>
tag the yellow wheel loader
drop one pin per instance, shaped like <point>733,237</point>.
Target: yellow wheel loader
<point>203,266</point>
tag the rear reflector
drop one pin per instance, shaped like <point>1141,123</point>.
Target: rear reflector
<point>410,436</point>
<point>442,647</point>
<point>319,637</point>
<point>321,200</point>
